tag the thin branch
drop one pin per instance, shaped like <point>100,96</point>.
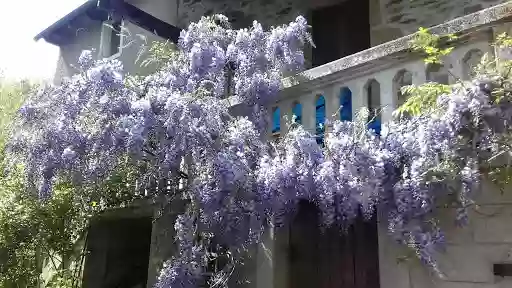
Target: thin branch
<point>183,174</point>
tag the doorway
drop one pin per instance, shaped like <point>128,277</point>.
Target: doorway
<point>340,30</point>
<point>331,258</point>
<point>118,253</point>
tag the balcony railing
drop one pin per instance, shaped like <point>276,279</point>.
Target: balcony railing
<point>372,78</point>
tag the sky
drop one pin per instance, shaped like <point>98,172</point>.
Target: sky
<point>20,22</point>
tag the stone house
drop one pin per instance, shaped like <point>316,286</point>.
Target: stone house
<point>361,59</point>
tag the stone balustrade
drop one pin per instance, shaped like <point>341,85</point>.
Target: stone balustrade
<point>372,78</point>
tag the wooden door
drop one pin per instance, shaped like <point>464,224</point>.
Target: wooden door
<point>304,240</point>
<point>332,258</point>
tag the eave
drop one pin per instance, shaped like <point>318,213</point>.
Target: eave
<point>101,10</point>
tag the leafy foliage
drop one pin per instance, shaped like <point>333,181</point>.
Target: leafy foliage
<point>431,45</point>
<point>421,99</point>
<point>160,53</point>
<point>40,242</point>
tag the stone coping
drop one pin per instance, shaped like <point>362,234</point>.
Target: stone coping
<point>376,55</point>
<point>384,55</point>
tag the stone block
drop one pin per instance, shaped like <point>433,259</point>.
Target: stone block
<point>163,234</point>
<point>491,194</point>
<point>426,281</point>
<point>448,284</point>
<point>473,263</point>
<point>464,266</point>
<point>454,234</point>
<point>394,273</point>
<point>381,35</point>
<point>492,224</point>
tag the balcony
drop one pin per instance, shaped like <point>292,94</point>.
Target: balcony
<point>372,78</point>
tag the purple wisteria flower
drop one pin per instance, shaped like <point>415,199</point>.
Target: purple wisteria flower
<point>178,124</point>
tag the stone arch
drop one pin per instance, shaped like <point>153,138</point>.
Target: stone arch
<point>469,62</point>
<point>297,111</point>
<point>320,118</point>
<point>437,73</point>
<point>374,105</point>
<point>373,102</point>
<point>401,79</point>
<point>345,104</point>
<point>276,120</point>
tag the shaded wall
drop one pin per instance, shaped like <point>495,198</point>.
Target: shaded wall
<point>390,19</point>
<point>471,251</point>
<point>87,37</point>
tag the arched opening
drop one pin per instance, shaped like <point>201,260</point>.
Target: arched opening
<point>320,119</point>
<point>373,97</point>
<point>297,112</point>
<point>437,73</point>
<point>402,78</point>
<point>276,120</point>
<point>345,104</point>
<point>470,62</point>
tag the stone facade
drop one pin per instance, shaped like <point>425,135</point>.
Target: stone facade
<point>389,19</point>
<point>471,251</point>
<point>402,17</point>
<point>242,13</point>
<point>88,37</point>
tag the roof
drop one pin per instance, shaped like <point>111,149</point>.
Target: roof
<point>100,10</point>
<point>89,5</point>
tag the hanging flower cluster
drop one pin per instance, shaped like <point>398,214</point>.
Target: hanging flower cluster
<point>239,183</point>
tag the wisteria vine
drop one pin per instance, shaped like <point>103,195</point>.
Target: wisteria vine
<point>176,123</point>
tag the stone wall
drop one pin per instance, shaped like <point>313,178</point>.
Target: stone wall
<point>470,254</point>
<point>135,46</point>
<point>394,18</point>
<point>390,19</point>
<point>165,10</point>
<point>268,12</point>
<point>87,37</point>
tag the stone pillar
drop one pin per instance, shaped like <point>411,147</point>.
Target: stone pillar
<point>264,261</point>
<point>359,97</point>
<point>393,273</point>
<point>309,112</point>
<point>162,238</point>
<point>419,72</point>
<point>387,97</point>
<point>332,105</point>
<point>280,258</point>
<point>286,107</point>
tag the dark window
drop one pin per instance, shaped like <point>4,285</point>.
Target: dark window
<point>115,38</point>
<point>340,30</point>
